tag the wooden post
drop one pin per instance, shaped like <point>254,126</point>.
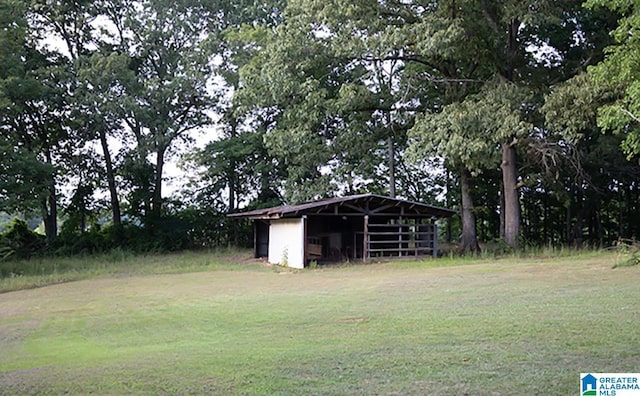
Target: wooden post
<point>400,238</point>
<point>416,237</point>
<point>435,240</point>
<point>365,239</point>
<point>354,250</point>
<point>255,238</point>
<point>304,241</point>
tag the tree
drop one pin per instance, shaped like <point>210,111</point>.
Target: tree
<point>23,177</point>
<point>456,133</point>
<point>546,43</point>
<point>503,40</point>
<point>619,70</point>
<point>237,164</point>
<point>278,94</point>
<point>168,97</point>
<point>94,73</point>
<point>140,74</point>
<point>340,121</point>
<point>597,184</point>
<point>36,115</point>
<point>429,47</point>
<point>102,79</point>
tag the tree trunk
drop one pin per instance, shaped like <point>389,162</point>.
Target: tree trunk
<point>50,205</point>
<point>111,180</point>
<point>232,191</point>
<point>545,224</point>
<point>156,199</point>
<point>579,225</point>
<point>599,228</point>
<point>502,210</point>
<point>568,219</point>
<point>392,168</point>
<point>234,236</point>
<point>232,176</point>
<point>448,197</point>
<point>50,215</point>
<point>629,226</point>
<point>469,234</point>
<point>621,216</point>
<point>511,198</point>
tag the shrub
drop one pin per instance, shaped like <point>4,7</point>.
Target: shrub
<point>629,252</point>
<point>20,242</point>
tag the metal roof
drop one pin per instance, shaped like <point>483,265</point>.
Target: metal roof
<point>358,205</point>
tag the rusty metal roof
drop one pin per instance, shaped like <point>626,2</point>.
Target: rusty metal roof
<point>353,205</point>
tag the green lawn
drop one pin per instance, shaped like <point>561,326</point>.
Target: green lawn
<point>438,327</point>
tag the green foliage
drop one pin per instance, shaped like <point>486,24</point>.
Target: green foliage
<point>620,71</point>
<point>28,97</point>
<point>315,98</point>
<point>629,252</point>
<point>456,133</point>
<point>167,234</point>
<point>632,260</point>
<point>571,108</point>
<point>72,241</point>
<point>339,114</point>
<point>23,178</point>
<point>189,228</point>
<point>19,242</point>
<point>209,228</point>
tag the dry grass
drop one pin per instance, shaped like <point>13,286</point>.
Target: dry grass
<point>488,327</point>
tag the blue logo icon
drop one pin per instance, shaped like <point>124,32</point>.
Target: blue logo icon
<point>589,385</point>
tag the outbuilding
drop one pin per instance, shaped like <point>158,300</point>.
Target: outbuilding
<point>346,228</point>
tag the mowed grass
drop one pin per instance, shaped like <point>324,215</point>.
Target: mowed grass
<point>438,327</point>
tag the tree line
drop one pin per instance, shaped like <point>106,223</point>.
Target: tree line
<point>523,115</point>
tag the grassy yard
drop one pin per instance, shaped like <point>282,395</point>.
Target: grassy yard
<point>512,326</point>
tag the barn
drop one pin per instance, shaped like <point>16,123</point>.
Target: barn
<point>346,228</point>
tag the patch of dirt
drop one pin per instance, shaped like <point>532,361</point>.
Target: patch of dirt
<point>358,319</point>
<point>16,333</point>
<point>24,382</point>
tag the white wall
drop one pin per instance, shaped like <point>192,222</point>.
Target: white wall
<point>286,242</point>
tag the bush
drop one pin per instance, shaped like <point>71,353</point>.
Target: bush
<point>164,234</point>
<point>20,242</point>
<point>168,233</point>
<point>629,252</point>
<point>187,229</point>
<point>210,228</point>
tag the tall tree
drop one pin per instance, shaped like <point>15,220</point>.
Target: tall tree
<point>457,134</point>
<point>169,96</point>
<point>93,77</point>
<point>102,78</point>
<point>598,185</point>
<point>519,49</point>
<point>22,175</point>
<point>338,126</point>
<point>237,163</point>
<point>36,120</point>
<point>620,71</point>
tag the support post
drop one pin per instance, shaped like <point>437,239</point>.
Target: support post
<point>304,241</point>
<point>255,238</point>
<point>365,239</point>
<point>435,240</point>
<point>400,225</point>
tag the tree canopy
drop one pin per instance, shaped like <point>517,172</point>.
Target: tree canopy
<point>524,116</point>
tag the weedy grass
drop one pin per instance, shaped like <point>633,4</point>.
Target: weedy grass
<point>507,326</point>
<point>45,270</point>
